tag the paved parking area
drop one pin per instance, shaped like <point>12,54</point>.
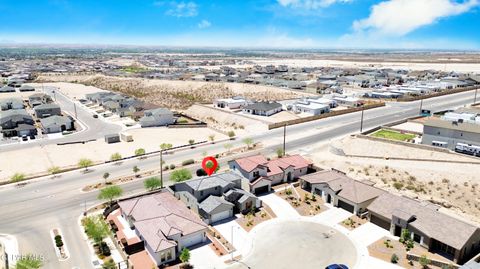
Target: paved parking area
<point>298,244</point>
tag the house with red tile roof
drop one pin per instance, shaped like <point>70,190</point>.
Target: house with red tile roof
<point>163,223</point>
<point>262,174</point>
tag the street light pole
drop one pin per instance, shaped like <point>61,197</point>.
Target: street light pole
<point>361,121</point>
<point>231,252</point>
<point>475,98</point>
<point>284,138</point>
<point>421,106</point>
<point>75,109</point>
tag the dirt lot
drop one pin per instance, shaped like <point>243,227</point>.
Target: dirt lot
<point>175,94</point>
<point>53,155</point>
<point>452,185</point>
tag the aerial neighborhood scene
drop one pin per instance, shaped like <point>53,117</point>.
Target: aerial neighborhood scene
<point>331,134</point>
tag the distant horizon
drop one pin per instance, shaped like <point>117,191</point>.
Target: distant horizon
<point>38,45</point>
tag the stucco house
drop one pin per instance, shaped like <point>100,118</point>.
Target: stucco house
<point>17,122</point>
<point>432,229</point>
<point>163,223</point>
<point>47,110</point>
<point>157,117</point>
<point>216,197</point>
<point>231,103</point>
<point>39,99</point>
<point>336,188</point>
<point>11,103</point>
<point>262,174</point>
<point>56,124</point>
<point>263,108</point>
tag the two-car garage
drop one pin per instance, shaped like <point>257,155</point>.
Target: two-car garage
<point>342,204</point>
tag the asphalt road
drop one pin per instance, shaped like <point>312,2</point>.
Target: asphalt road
<point>93,128</point>
<point>32,211</point>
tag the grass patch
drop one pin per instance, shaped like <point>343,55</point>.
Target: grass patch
<point>134,69</point>
<point>393,135</point>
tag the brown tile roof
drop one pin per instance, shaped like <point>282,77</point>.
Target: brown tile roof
<point>428,219</point>
<point>158,216</point>
<point>275,166</point>
<point>346,187</point>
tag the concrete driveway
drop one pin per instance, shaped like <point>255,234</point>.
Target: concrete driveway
<point>297,244</point>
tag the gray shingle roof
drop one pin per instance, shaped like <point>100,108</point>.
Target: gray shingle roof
<point>465,126</point>
<point>212,202</point>
<point>221,180</point>
<point>264,106</point>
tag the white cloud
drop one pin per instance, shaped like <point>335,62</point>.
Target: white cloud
<point>204,24</point>
<point>400,17</point>
<point>180,9</point>
<point>310,4</point>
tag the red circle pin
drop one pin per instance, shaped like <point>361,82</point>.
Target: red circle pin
<point>209,164</point>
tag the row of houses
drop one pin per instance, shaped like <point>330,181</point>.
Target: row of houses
<point>432,229</point>
<point>16,121</point>
<point>147,114</point>
<point>161,224</point>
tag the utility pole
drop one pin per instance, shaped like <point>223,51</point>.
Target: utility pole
<point>475,98</point>
<point>161,168</point>
<point>75,109</point>
<point>284,138</point>
<point>421,106</point>
<point>361,121</point>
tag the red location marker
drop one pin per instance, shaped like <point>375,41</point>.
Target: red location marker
<point>209,164</point>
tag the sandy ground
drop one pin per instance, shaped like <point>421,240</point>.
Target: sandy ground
<point>72,90</point>
<point>457,67</point>
<point>176,94</point>
<point>452,185</point>
<point>53,155</point>
<point>409,126</point>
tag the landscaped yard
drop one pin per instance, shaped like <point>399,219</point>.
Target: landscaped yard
<point>305,203</point>
<point>387,249</point>
<point>393,135</point>
<point>250,220</point>
<point>353,222</point>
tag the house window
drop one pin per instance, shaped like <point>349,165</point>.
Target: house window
<point>256,174</point>
<point>162,257</point>
<point>201,192</point>
<point>169,255</point>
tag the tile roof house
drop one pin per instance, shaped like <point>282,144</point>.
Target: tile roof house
<point>216,197</point>
<point>438,232</point>
<point>262,173</point>
<point>164,224</point>
<point>337,188</point>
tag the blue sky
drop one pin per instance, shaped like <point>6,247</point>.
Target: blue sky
<point>409,24</point>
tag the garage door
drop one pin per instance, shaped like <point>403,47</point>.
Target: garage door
<point>221,216</point>
<point>379,222</point>
<point>192,240</point>
<point>346,206</point>
<point>262,189</point>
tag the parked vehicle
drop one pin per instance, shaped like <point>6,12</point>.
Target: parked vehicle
<point>337,266</point>
<point>95,116</point>
<point>24,138</point>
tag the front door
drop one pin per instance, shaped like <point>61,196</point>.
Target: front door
<point>329,198</point>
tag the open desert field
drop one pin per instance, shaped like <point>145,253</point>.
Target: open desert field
<point>456,186</point>
<point>177,95</point>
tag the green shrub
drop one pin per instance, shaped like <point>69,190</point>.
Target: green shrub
<point>172,166</point>
<point>394,258</point>
<point>188,162</point>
